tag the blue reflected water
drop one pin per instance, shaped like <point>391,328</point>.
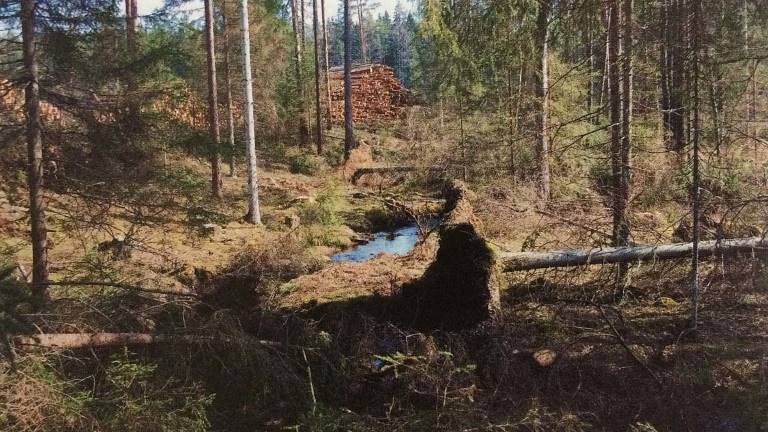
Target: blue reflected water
<point>398,242</point>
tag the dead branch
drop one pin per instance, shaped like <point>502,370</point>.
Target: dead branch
<point>123,286</point>
<point>104,340</point>
<point>626,347</point>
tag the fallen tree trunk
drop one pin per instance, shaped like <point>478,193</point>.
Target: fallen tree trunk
<point>538,260</point>
<point>391,169</point>
<point>105,340</point>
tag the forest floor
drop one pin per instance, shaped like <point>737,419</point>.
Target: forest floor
<point>627,367</point>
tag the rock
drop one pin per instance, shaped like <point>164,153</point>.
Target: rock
<point>292,221</point>
<point>545,357</point>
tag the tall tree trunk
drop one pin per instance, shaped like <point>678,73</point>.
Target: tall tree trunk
<point>228,93</point>
<point>318,116</point>
<point>462,141</point>
<point>542,109</point>
<point>511,124</point>
<point>254,212</point>
<point>131,25</point>
<point>604,83</point>
<point>615,103</point>
<point>361,32</point>
<point>521,84</point>
<point>751,73</point>
<point>349,138</point>
<point>677,111</point>
<point>752,126</point>
<point>328,119</point>
<point>213,101</point>
<point>131,30</point>
<point>591,58</point>
<point>696,192</point>
<point>34,153</point>
<point>302,25</point>
<point>714,106</point>
<point>621,199</point>
<point>303,129</point>
<point>664,67</point>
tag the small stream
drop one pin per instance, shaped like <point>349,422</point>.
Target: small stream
<point>398,242</point>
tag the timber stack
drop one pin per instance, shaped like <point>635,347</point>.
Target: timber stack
<point>376,94</point>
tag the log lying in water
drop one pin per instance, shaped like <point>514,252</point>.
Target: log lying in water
<point>571,258</point>
<point>105,340</point>
<point>391,169</point>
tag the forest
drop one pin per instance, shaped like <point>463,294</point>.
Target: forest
<point>439,215</point>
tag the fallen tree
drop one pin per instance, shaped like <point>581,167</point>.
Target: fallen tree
<point>105,340</point>
<point>392,169</point>
<point>537,260</point>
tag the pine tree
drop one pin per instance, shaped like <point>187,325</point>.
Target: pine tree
<point>213,102</point>
<point>34,153</point>
<point>254,212</point>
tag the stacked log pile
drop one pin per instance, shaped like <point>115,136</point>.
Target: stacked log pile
<point>376,94</point>
<point>12,102</point>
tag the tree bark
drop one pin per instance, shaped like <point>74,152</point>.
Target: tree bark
<point>621,227</point>
<point>34,154</point>
<point>696,191</point>
<point>664,63</point>
<point>361,32</point>
<point>511,125</point>
<point>131,25</point>
<point>318,116</point>
<point>228,91</point>
<point>213,101</point>
<point>605,79</point>
<point>329,118</point>
<point>349,138</point>
<point>714,105</point>
<point>303,129</point>
<point>615,102</point>
<point>302,25</point>
<point>542,96</point>
<point>131,30</point>
<point>571,258</point>
<point>254,212</point>
<point>677,111</point>
<point>591,58</point>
